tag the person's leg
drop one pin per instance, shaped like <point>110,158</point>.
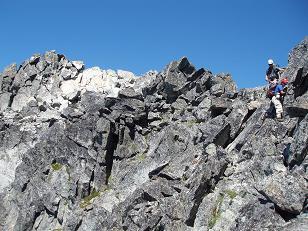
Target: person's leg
<point>278,107</point>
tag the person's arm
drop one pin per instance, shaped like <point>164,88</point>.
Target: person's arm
<point>280,70</point>
<point>267,75</point>
<point>282,92</point>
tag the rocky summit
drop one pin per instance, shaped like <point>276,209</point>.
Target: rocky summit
<point>180,149</point>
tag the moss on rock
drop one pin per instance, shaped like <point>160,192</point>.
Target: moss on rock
<point>56,166</point>
<point>87,200</point>
<point>216,212</point>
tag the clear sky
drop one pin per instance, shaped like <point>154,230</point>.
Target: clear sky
<point>231,36</point>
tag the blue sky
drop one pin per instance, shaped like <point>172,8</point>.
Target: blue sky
<point>234,37</point>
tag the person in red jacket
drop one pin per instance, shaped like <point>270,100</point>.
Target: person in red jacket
<point>275,93</point>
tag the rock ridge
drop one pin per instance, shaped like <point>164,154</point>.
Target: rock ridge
<point>180,149</point>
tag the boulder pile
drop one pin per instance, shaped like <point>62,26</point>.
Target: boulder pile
<point>180,149</point>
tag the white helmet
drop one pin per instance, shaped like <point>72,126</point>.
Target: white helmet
<point>270,61</point>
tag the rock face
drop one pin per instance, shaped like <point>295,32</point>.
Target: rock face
<point>182,149</point>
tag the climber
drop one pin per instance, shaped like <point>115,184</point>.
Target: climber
<point>272,73</point>
<point>284,83</point>
<point>275,93</point>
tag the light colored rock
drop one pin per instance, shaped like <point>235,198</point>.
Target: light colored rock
<point>153,116</point>
<point>254,105</point>
<point>110,74</point>
<point>4,101</point>
<point>205,104</point>
<point>9,160</point>
<point>66,73</point>
<point>211,149</point>
<point>78,64</point>
<point>70,89</point>
<point>74,72</point>
<point>60,101</point>
<point>88,74</point>
<point>114,93</point>
<point>98,84</point>
<point>143,81</point>
<point>217,89</point>
<point>108,200</point>
<point>49,115</point>
<point>21,99</point>
<point>43,95</point>
<point>125,74</point>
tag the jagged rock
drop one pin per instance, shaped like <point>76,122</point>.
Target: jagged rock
<point>256,216</point>
<point>299,148</point>
<point>125,74</point>
<point>185,66</point>
<point>5,101</point>
<point>70,89</point>
<point>66,74</point>
<point>215,131</point>
<point>217,89</point>
<point>297,73</point>
<point>129,92</point>
<point>21,99</point>
<point>78,64</point>
<point>174,81</point>
<point>222,83</point>
<point>92,149</point>
<point>142,82</point>
<point>7,77</point>
<point>287,191</point>
<point>92,75</point>
<point>253,94</point>
<point>299,224</point>
<point>51,57</point>
<point>237,117</point>
<point>41,65</point>
<point>220,106</point>
<point>31,70</point>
